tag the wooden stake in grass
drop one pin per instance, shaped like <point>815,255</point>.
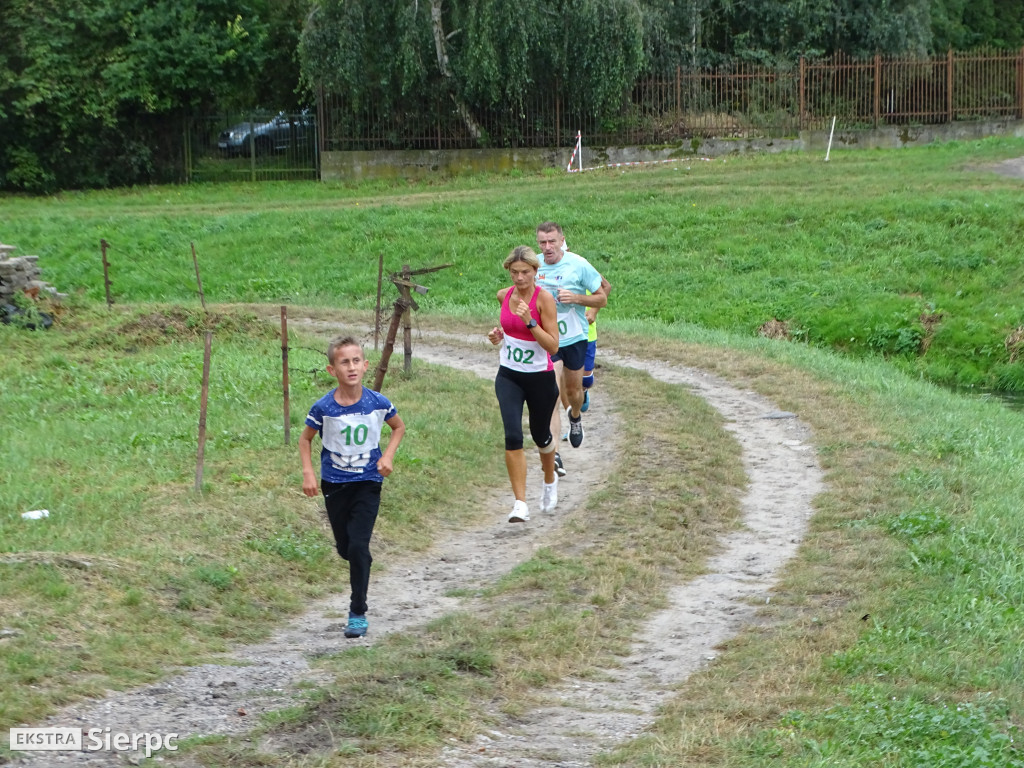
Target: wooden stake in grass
<point>199,282</point>
<point>106,272</point>
<point>376,317</point>
<point>202,409</point>
<point>403,307</point>
<point>284,374</point>
<point>389,344</point>
<point>407,316</point>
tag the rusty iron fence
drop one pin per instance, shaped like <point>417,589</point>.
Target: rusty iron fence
<point>738,101</point>
<point>251,146</point>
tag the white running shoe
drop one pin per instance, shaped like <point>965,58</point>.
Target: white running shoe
<point>549,499</point>
<point>520,512</point>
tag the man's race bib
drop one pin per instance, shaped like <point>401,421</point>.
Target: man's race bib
<point>570,322</point>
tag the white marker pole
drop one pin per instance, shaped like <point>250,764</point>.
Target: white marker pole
<point>830,133</point>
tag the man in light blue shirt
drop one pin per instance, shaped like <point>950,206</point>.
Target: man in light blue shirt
<point>569,277</point>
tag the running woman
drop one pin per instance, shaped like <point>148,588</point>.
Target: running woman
<point>528,335</point>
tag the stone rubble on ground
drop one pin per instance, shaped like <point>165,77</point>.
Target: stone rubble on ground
<point>21,274</point>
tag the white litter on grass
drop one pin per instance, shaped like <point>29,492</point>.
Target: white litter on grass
<point>35,514</point>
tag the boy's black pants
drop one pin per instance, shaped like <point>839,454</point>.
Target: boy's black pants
<point>352,509</point>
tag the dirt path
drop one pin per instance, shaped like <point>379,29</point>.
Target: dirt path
<point>585,717</point>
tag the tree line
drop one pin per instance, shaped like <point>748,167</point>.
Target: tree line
<point>94,93</point>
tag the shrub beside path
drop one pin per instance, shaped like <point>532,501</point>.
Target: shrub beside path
<point>586,716</point>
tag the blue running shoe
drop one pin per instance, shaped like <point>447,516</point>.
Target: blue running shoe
<point>586,401</point>
<point>357,625</point>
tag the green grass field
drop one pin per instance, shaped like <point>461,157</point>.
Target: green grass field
<point>920,529</point>
<point>911,255</point>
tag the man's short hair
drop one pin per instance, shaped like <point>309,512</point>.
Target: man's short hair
<point>549,226</point>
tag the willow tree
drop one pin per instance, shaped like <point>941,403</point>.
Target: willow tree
<point>480,54</point>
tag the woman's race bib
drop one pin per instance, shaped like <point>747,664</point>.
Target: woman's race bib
<point>522,355</point>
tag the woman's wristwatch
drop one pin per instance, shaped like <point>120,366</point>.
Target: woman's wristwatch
<point>531,323</point>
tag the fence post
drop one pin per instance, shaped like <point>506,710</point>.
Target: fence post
<point>949,85</point>
<point>204,394</point>
<point>321,112</point>
<point>188,150</point>
<point>1020,84</point>
<point>106,272</point>
<point>380,283</point>
<point>878,87</point>
<point>199,281</point>
<point>679,95</point>
<point>284,374</point>
<point>252,148</point>
<point>800,88</point>
<point>558,119</point>
<point>406,318</point>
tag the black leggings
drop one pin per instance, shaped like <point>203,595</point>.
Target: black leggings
<point>539,391</point>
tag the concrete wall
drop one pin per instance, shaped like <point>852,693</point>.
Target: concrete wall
<point>416,164</point>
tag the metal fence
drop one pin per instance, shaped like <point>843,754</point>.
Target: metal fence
<point>254,146</point>
<point>737,101</point>
<point>740,101</point>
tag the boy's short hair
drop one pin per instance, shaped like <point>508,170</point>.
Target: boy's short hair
<point>337,343</point>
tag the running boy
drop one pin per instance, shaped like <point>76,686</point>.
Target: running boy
<point>349,419</point>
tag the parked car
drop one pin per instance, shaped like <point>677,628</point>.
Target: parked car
<point>280,133</point>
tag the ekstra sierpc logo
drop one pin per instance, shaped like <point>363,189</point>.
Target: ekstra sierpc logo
<point>91,740</point>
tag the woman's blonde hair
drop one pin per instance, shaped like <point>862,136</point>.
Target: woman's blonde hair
<point>523,253</point>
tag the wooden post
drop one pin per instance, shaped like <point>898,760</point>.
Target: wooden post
<point>800,89</point>
<point>1020,84</point>
<point>403,290</point>
<point>187,148</point>
<point>558,118</point>
<point>284,374</point>
<point>403,309</point>
<point>106,272</point>
<point>202,410</point>
<point>878,88</point>
<point>380,283</point>
<point>252,148</point>
<point>949,85</point>
<point>389,344</point>
<point>199,282</point>
<point>679,92</point>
